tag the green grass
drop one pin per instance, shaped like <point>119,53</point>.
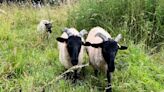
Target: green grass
<point>29,67</point>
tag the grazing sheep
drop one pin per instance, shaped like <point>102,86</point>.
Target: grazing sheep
<point>102,50</point>
<point>71,48</point>
<point>38,3</point>
<point>1,1</point>
<point>44,28</point>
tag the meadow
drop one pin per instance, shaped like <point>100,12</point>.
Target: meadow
<point>29,64</point>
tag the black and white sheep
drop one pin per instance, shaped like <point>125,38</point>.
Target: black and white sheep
<point>102,50</point>
<point>44,28</point>
<point>71,49</point>
<point>38,3</point>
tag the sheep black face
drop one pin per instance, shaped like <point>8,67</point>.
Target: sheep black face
<point>109,51</point>
<point>74,44</point>
<point>48,27</point>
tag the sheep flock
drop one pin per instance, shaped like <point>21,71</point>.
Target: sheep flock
<point>100,47</point>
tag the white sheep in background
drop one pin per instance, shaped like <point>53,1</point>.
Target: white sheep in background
<point>102,50</point>
<point>44,28</point>
<point>71,49</point>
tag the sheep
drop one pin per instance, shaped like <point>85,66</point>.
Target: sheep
<point>44,29</point>
<point>102,50</point>
<point>1,1</point>
<point>71,49</point>
<point>38,3</point>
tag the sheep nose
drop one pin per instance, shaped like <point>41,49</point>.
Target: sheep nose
<point>74,62</point>
<point>49,30</point>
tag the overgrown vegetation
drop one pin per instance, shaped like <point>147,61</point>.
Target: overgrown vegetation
<point>28,64</point>
<point>138,20</point>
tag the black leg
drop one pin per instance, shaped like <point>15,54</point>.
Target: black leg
<point>96,72</point>
<point>68,75</point>
<point>109,89</point>
<point>75,76</point>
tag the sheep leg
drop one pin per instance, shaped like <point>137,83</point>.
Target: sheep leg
<point>96,72</point>
<point>75,76</point>
<point>68,75</point>
<point>109,89</point>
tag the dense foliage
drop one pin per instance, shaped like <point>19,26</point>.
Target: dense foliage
<point>138,20</point>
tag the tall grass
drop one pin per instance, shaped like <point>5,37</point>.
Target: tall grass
<point>28,65</point>
<point>138,20</point>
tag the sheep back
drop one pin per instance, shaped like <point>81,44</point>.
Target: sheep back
<point>95,54</point>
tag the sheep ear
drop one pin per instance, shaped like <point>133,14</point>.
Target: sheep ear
<point>86,44</point>
<point>61,39</point>
<point>123,47</point>
<point>46,24</point>
<point>96,45</point>
<point>93,45</point>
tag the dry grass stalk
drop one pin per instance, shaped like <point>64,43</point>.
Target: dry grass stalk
<point>67,71</point>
